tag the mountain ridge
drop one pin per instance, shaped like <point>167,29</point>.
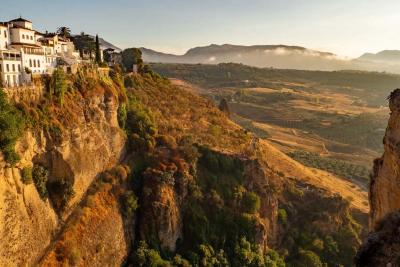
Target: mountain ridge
<point>279,56</point>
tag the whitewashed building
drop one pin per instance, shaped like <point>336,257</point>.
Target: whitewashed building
<point>25,52</point>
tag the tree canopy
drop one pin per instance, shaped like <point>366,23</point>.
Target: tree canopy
<point>130,57</point>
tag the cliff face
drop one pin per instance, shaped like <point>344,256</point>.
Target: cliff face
<point>382,248</point>
<point>83,150</point>
<point>199,181</point>
<point>385,182</point>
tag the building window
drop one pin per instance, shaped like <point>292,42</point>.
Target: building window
<point>23,36</point>
<point>8,68</point>
<point>34,63</point>
<point>30,63</point>
<point>19,68</point>
<point>38,63</point>
<point>5,33</point>
<point>13,67</point>
<point>31,37</point>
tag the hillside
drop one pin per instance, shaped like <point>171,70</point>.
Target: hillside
<point>329,120</point>
<point>157,175</point>
<point>278,56</point>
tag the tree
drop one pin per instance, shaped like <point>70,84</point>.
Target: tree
<point>64,32</point>
<point>98,52</point>
<point>145,256</point>
<point>251,202</point>
<point>130,57</point>
<point>84,43</point>
<point>308,258</point>
<point>224,107</point>
<point>58,84</point>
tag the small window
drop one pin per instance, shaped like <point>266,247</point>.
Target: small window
<point>34,63</point>
<point>23,36</point>
<point>5,33</point>
<point>31,37</point>
<point>38,63</point>
<point>30,63</point>
<point>13,67</point>
<point>19,67</point>
<point>8,68</point>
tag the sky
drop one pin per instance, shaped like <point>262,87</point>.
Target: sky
<point>348,28</point>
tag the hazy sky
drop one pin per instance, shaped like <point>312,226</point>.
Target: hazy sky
<point>348,28</point>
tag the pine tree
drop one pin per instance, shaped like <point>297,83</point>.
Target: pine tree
<point>98,56</point>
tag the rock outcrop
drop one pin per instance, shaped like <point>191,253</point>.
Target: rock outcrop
<point>385,182</point>
<point>382,248</point>
<point>83,150</point>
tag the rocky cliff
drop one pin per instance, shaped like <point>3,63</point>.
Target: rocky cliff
<point>385,186</point>
<point>382,248</point>
<point>161,176</point>
<point>84,148</point>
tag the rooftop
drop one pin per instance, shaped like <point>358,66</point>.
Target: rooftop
<point>20,19</point>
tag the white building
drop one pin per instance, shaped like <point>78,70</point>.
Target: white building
<point>25,52</point>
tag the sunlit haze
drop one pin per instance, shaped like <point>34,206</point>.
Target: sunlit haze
<point>347,28</point>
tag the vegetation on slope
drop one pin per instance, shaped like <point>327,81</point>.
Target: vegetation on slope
<point>339,107</point>
<point>220,213</point>
<point>187,163</point>
<point>319,230</point>
<point>338,167</point>
<point>373,87</point>
<point>12,125</point>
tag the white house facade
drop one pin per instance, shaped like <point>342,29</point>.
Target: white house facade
<point>25,52</point>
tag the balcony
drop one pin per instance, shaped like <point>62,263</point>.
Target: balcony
<point>33,51</point>
<point>10,56</point>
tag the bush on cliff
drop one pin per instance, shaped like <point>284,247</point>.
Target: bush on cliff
<point>139,125</point>
<point>60,192</point>
<point>26,175</point>
<point>58,85</point>
<point>40,176</point>
<point>11,128</point>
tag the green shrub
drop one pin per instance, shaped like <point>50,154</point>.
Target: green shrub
<point>139,125</point>
<point>282,216</point>
<point>11,128</point>
<point>178,261</point>
<point>129,82</point>
<point>40,176</point>
<point>146,257</point>
<point>58,85</point>
<point>273,259</point>
<point>130,203</point>
<point>26,175</point>
<point>122,115</point>
<point>251,202</point>
<point>308,258</point>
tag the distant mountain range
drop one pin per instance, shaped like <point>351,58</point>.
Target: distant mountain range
<point>106,45</point>
<point>275,56</point>
<point>279,56</point>
<point>386,56</point>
